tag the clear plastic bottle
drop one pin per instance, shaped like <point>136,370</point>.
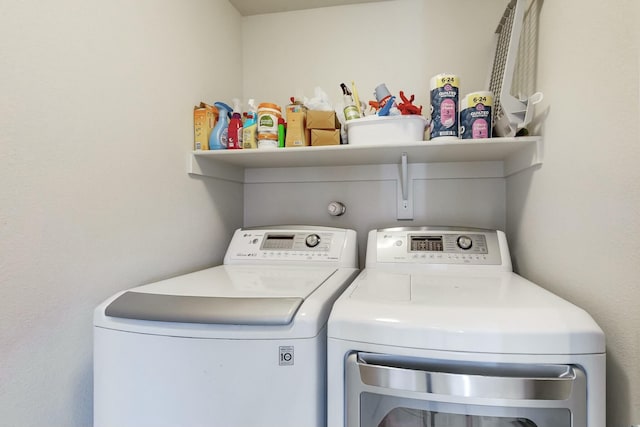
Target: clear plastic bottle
<point>250,128</point>
<point>350,109</point>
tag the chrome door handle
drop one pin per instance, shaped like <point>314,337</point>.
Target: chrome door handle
<point>553,382</point>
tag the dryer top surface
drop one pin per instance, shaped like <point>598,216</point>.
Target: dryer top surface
<point>473,311</point>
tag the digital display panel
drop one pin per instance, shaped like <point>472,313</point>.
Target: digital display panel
<point>278,241</point>
<point>426,244</point>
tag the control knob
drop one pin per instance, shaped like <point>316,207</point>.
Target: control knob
<point>312,240</point>
<point>464,242</point>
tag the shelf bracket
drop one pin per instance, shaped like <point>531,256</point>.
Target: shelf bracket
<point>404,191</point>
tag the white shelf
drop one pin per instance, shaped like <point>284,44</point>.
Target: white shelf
<point>515,154</point>
<point>253,7</point>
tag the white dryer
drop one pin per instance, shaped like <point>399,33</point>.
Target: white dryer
<point>438,331</point>
<point>241,344</point>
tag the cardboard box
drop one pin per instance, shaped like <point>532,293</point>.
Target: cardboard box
<point>296,107</point>
<point>204,119</point>
<point>296,132</point>
<point>325,137</point>
<point>322,120</point>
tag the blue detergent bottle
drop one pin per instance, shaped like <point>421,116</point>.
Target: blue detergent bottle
<point>219,135</point>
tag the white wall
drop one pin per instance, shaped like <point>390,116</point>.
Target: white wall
<point>95,126</point>
<point>95,123</point>
<point>402,43</point>
<point>372,204</point>
<point>574,223</point>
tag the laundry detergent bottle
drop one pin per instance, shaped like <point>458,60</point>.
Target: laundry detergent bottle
<point>234,135</point>
<point>219,134</point>
<point>250,127</point>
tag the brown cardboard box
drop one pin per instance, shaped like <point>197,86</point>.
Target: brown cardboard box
<point>296,133</point>
<point>322,120</point>
<point>204,119</point>
<point>325,137</point>
<point>294,108</point>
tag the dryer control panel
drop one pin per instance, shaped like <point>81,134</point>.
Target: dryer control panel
<point>323,244</point>
<point>438,245</point>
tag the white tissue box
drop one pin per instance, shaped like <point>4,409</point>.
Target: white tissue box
<point>376,130</point>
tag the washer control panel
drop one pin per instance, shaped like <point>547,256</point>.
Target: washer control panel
<point>438,246</point>
<point>286,245</point>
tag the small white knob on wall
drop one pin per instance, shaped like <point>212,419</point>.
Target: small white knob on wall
<point>336,208</point>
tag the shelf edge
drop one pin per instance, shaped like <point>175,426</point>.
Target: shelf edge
<point>239,166</point>
<point>212,168</point>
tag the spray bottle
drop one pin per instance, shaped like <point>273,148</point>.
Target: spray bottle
<point>350,109</point>
<point>218,138</point>
<point>250,129</point>
<point>235,127</point>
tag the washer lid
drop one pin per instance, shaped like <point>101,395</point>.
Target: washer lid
<point>216,310</point>
<point>475,312</point>
<point>234,295</point>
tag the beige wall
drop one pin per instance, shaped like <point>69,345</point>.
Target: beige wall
<point>402,43</point>
<point>574,223</point>
<point>95,127</point>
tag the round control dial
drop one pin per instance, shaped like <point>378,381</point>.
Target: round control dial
<point>464,242</point>
<point>312,240</point>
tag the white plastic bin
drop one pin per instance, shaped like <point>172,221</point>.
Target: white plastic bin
<point>375,130</point>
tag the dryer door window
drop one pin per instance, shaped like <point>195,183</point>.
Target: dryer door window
<point>398,391</point>
<point>445,415</point>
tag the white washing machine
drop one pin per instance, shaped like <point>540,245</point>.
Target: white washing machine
<point>438,331</point>
<point>242,344</point>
